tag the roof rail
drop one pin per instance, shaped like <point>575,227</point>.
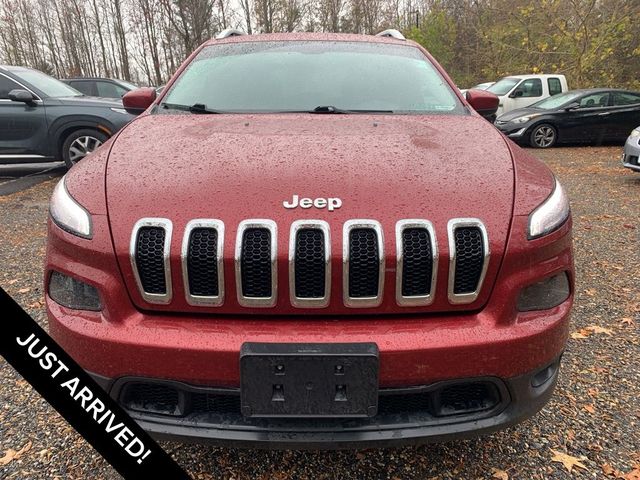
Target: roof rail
<point>229,32</point>
<point>391,32</point>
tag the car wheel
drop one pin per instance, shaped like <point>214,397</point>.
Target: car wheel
<point>543,136</point>
<point>80,143</point>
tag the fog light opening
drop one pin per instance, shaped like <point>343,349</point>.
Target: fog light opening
<point>73,293</point>
<point>544,375</point>
<point>545,294</point>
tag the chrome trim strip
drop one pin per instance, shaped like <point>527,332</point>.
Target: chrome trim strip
<point>415,300</point>
<point>21,155</point>
<point>360,302</point>
<point>273,229</point>
<point>452,225</point>
<point>319,302</point>
<point>203,300</point>
<point>168,228</point>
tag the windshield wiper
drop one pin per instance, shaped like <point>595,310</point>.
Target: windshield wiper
<point>195,108</point>
<point>332,109</point>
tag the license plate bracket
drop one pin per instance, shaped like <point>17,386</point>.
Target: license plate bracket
<point>309,379</point>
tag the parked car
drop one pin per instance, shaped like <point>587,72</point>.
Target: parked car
<point>313,253</point>
<point>101,87</point>
<point>519,91</point>
<point>632,151</point>
<point>43,119</point>
<point>592,116</point>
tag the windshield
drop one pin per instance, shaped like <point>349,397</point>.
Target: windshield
<point>304,75</point>
<point>556,101</point>
<point>46,84</point>
<point>502,87</point>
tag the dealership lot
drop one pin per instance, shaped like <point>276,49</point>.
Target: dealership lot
<point>594,416</point>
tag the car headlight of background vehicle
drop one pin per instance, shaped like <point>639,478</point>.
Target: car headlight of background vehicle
<point>550,214</point>
<point>69,214</point>
<point>525,119</point>
<point>635,132</point>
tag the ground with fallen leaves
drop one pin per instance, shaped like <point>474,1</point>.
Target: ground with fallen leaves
<point>590,429</point>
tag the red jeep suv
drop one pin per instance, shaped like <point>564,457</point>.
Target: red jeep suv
<point>313,240</point>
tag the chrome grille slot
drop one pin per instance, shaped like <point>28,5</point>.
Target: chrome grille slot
<point>149,254</point>
<point>363,263</point>
<point>256,268</point>
<point>309,263</point>
<point>417,257</point>
<point>202,262</point>
<point>469,257</point>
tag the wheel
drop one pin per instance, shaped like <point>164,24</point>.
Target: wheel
<point>543,136</point>
<point>80,143</point>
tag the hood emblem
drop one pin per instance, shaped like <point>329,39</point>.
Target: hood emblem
<point>330,203</point>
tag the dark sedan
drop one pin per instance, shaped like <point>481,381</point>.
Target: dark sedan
<point>592,116</point>
<point>101,87</point>
<point>43,119</point>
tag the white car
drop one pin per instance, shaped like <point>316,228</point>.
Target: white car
<point>632,151</point>
<point>480,86</point>
<point>519,91</point>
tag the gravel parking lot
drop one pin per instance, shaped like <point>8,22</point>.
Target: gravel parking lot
<point>592,423</point>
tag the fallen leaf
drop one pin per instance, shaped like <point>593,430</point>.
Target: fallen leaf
<point>633,474</point>
<point>590,408</point>
<point>598,329</point>
<point>24,290</point>
<point>580,334</point>
<point>11,282</point>
<point>568,461</point>
<point>12,454</point>
<point>627,321</point>
<point>591,291</point>
<point>499,474</point>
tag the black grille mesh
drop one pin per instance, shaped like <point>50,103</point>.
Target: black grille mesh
<point>310,264</point>
<point>417,267</point>
<point>364,263</point>
<point>202,262</point>
<point>256,263</point>
<point>469,259</point>
<point>150,397</point>
<point>150,259</point>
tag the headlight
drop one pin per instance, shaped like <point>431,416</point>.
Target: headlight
<point>525,119</point>
<point>635,132</point>
<point>550,214</point>
<point>68,214</point>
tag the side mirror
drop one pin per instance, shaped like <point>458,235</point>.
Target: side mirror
<point>137,101</point>
<point>19,95</point>
<point>483,102</point>
<point>572,106</point>
<point>516,94</point>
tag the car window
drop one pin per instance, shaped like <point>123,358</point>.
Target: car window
<point>6,85</point>
<point>555,87</point>
<point>600,99</point>
<point>110,90</point>
<point>50,86</point>
<point>532,87</point>
<point>551,103</point>
<point>84,86</point>
<point>504,86</point>
<point>303,75</point>
<point>625,98</point>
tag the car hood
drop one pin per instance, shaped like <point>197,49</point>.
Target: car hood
<point>520,112</point>
<point>237,167</point>
<point>86,101</point>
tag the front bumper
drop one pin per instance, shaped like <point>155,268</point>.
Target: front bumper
<point>631,154</point>
<point>518,398</point>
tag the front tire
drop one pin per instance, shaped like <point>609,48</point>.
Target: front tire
<point>79,144</point>
<point>543,136</point>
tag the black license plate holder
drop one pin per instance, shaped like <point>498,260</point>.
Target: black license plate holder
<point>309,380</point>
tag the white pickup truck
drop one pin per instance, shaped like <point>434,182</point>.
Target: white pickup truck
<point>519,91</point>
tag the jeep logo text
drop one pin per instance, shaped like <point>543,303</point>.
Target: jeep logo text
<point>330,204</point>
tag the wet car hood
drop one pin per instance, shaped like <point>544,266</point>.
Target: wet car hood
<point>237,167</point>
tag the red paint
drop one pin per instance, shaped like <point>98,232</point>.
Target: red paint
<point>383,167</point>
<point>139,100</point>
<point>482,101</point>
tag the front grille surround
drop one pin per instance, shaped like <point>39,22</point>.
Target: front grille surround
<point>257,223</point>
<point>315,302</point>
<point>204,300</point>
<point>415,300</point>
<point>370,301</point>
<point>167,226</point>
<point>452,226</point>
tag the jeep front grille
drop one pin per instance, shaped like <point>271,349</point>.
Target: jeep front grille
<point>309,263</point>
<point>469,257</point>
<point>256,266</point>
<point>309,271</point>
<point>150,243</point>
<point>202,265</point>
